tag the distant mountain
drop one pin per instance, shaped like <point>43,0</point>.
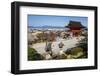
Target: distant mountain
<point>46,26</point>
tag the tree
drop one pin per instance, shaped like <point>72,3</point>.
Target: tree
<point>84,45</point>
<point>33,55</point>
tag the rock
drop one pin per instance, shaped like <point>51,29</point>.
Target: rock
<point>48,56</point>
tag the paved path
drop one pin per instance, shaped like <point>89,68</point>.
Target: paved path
<point>40,47</point>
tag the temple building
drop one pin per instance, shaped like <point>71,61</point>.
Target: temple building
<point>75,27</point>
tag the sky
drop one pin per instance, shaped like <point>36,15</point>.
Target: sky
<point>59,21</point>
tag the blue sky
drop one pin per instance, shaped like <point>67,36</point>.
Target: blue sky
<point>41,20</point>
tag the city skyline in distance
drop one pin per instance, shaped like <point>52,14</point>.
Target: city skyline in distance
<point>44,21</point>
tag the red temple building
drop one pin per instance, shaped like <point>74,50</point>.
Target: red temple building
<point>75,27</point>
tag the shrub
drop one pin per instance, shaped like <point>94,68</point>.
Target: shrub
<point>76,50</point>
<point>33,55</point>
<point>63,56</point>
<point>84,45</point>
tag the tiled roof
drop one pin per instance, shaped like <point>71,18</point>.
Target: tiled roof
<point>75,24</point>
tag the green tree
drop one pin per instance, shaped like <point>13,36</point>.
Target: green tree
<point>33,55</point>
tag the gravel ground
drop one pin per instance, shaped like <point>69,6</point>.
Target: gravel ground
<point>40,47</point>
